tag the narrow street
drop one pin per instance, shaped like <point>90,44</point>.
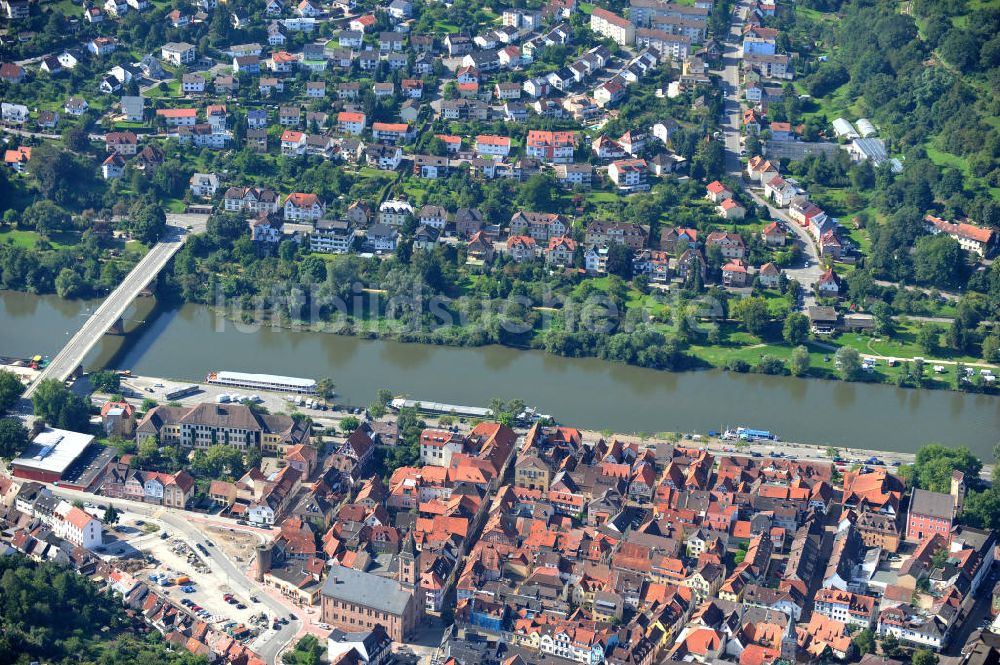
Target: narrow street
<point>809,268</point>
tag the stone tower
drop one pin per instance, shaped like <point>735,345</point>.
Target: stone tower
<point>408,563</point>
<point>958,490</point>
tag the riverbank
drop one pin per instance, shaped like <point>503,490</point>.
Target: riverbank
<point>189,341</point>
<point>736,351</point>
<point>138,388</point>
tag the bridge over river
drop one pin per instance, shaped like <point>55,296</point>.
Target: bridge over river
<point>111,311</point>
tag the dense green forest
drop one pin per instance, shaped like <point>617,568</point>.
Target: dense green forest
<point>48,613</point>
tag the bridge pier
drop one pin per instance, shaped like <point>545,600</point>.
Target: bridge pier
<point>118,327</point>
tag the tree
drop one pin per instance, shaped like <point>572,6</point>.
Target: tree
<point>308,651</point>
<point>918,371</point>
<point>45,217</point>
<point>147,404</point>
<point>224,229</point>
<point>149,452</point>
<point>540,193</point>
<point>147,221</point>
<point>57,173</point>
<point>325,388</point>
<point>864,641</point>
<point>982,509</point>
<point>960,48</point>
<point>106,381</point>
<point>619,260</point>
<point>349,424</point>
<point>110,515</point>
<point>890,646</point>
<point>796,328</point>
<point>800,361</point>
<point>55,404</point>
<point>927,338</point>
<point>11,389</point>
<point>935,464</point>
<point>13,438</point>
<point>938,260</point>
<point>75,138</point>
<point>883,318</point>
<point>849,361</point>
<point>753,313</point>
<point>68,283</point>
<point>924,657</point>
<point>991,347</point>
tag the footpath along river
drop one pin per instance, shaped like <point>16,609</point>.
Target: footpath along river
<point>185,343</point>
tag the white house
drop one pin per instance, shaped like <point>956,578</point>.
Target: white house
<point>492,146</point>
<point>178,53</point>
<point>204,184</point>
<point>78,527</point>
<point>113,166</point>
<point>303,207</point>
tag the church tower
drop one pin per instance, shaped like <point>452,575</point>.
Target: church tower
<point>408,563</point>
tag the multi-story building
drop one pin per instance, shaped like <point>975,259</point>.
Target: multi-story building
<point>208,424</point>
<point>438,446</point>
<point>930,513</point>
<point>974,239</point>
<point>355,600</point>
<point>677,47</point>
<point>332,237</point>
<point>846,607</point>
<point>629,175</point>
<point>555,147</point>
<point>300,207</point>
<point>391,132</point>
<point>613,26</point>
<point>78,526</point>
<point>124,143</point>
<point>163,489</point>
<point>178,53</point>
<point>492,146</point>
<point>395,212</point>
<point>351,122</point>
<point>250,200</point>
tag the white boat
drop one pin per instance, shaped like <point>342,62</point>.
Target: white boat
<point>748,434</point>
<point>273,382</point>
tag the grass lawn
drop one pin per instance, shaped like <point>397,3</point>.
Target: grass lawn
<point>736,344</point>
<point>368,172</point>
<point>903,344</point>
<point>586,7</point>
<point>442,26</point>
<point>834,105</point>
<point>416,193</point>
<point>173,90</point>
<point>174,205</point>
<point>30,239</point>
<point>942,158</point>
<point>599,197</point>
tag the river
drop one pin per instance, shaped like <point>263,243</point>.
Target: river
<point>187,342</point>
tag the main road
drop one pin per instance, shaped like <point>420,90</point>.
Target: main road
<point>808,271</point>
<point>113,308</point>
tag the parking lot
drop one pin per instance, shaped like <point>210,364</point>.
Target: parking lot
<point>207,593</point>
<point>136,388</point>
